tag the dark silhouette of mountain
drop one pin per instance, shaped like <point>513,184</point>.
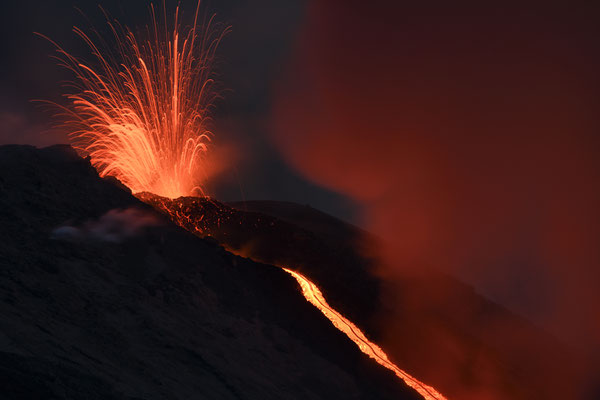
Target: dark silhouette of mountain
<point>104,298</point>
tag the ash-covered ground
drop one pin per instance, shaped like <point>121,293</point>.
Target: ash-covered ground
<point>104,298</point>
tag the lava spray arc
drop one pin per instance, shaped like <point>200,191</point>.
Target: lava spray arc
<point>141,110</point>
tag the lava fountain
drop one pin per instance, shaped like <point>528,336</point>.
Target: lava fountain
<point>141,110</point>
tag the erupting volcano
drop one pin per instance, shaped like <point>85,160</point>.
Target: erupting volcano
<point>209,212</point>
<point>142,114</point>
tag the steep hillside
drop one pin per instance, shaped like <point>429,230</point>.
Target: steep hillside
<point>104,298</point>
<point>432,325</point>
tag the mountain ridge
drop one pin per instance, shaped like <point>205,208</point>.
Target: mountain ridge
<point>153,312</point>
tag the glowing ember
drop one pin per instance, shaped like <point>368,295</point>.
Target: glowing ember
<point>142,110</point>
<point>312,293</point>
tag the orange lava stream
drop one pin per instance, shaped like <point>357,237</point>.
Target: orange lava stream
<point>312,293</point>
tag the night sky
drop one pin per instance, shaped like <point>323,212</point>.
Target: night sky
<point>466,134</point>
<point>251,58</point>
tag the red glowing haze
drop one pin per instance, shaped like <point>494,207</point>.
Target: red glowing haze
<point>468,133</point>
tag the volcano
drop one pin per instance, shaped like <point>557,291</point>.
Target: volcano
<point>104,296</point>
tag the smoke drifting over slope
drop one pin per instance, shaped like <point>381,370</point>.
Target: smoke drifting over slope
<point>113,226</point>
<point>469,135</point>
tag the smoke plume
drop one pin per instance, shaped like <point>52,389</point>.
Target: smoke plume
<point>115,226</point>
<point>468,133</point>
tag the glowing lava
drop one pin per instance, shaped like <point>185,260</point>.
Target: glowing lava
<point>312,293</point>
<point>141,110</point>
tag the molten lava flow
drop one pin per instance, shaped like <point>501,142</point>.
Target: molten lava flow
<point>141,110</point>
<point>312,293</point>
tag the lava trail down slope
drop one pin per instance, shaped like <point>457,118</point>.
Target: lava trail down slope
<point>452,341</point>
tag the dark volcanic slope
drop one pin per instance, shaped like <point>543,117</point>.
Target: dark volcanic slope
<point>486,348</point>
<point>431,325</point>
<point>323,225</point>
<point>124,305</point>
<point>329,260</point>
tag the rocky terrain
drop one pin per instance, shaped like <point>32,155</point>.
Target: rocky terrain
<point>104,298</point>
<point>432,325</point>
